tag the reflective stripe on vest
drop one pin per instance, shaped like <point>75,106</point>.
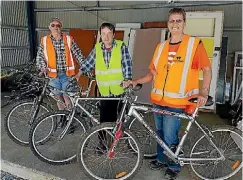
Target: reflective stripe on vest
<point>176,95</point>
<point>45,49</point>
<point>108,83</point>
<point>159,53</point>
<point>52,70</point>
<point>109,71</point>
<point>184,73</point>
<point>71,57</point>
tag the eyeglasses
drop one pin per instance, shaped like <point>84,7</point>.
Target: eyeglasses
<point>57,25</point>
<point>110,34</point>
<point>176,21</point>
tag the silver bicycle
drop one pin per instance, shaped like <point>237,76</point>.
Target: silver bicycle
<point>216,153</point>
<point>60,148</point>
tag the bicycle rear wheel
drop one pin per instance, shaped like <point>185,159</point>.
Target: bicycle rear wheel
<point>16,122</point>
<point>147,142</point>
<point>229,142</point>
<point>93,154</point>
<point>44,140</point>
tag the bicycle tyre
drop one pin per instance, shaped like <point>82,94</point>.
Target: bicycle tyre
<point>33,144</point>
<point>233,132</point>
<point>85,138</point>
<point>14,109</point>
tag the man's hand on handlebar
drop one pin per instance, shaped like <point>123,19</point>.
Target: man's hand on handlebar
<point>126,83</point>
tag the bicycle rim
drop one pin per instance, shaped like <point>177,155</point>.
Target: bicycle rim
<point>228,142</point>
<point>17,121</point>
<point>53,150</point>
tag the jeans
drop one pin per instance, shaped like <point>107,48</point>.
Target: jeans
<point>167,128</point>
<point>60,82</point>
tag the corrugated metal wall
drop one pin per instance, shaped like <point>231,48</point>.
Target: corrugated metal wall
<point>89,20</point>
<point>72,19</point>
<point>14,15</point>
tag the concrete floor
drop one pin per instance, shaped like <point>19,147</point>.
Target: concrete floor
<point>23,156</point>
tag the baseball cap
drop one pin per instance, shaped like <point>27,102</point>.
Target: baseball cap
<point>56,19</point>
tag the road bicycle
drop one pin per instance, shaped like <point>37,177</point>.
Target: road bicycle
<point>215,154</point>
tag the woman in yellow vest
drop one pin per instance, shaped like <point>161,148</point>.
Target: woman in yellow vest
<point>174,70</point>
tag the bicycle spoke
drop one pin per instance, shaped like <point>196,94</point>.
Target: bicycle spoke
<point>110,170</point>
<point>225,167</point>
<point>221,142</point>
<point>229,145</point>
<point>98,164</point>
<point>206,169</point>
<point>93,161</point>
<point>230,150</point>
<point>226,143</point>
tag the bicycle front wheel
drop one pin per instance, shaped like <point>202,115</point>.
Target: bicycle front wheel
<point>93,154</point>
<point>229,142</point>
<point>16,122</point>
<point>45,140</point>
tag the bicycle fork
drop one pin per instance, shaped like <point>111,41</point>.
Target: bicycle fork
<point>36,106</point>
<point>118,135</point>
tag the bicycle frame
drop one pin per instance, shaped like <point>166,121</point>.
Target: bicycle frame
<point>47,89</point>
<point>37,101</point>
<point>174,156</point>
<point>74,109</point>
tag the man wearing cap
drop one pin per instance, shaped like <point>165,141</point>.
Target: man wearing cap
<point>59,57</point>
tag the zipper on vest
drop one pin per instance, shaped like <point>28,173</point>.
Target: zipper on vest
<point>165,83</point>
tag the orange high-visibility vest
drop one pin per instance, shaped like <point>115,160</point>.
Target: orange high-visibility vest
<point>178,83</point>
<point>50,56</point>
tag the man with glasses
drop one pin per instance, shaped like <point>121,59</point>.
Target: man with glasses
<point>113,65</point>
<point>59,57</point>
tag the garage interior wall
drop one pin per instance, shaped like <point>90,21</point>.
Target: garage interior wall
<point>14,34</point>
<point>92,20</point>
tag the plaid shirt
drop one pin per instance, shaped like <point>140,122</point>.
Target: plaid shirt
<point>89,63</point>
<point>60,54</point>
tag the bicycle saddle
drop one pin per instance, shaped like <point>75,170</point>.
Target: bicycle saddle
<point>208,103</point>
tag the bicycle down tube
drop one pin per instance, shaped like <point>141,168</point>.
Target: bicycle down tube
<point>77,104</point>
